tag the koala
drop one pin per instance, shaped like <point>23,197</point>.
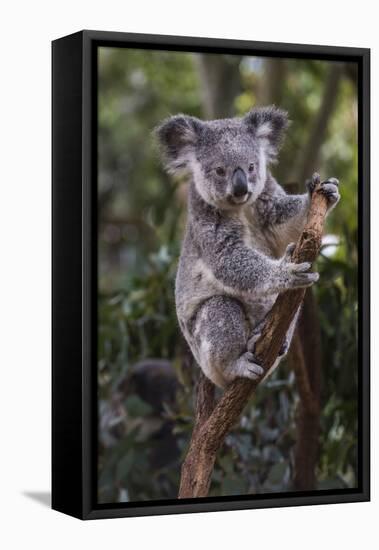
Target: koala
<point>241,228</point>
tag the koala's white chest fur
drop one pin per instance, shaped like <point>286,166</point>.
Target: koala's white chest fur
<point>257,237</point>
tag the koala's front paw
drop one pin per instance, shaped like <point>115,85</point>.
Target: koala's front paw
<point>329,188</point>
<point>296,275</point>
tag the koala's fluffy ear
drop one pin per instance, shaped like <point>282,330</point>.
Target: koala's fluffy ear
<point>178,136</point>
<point>269,125</point>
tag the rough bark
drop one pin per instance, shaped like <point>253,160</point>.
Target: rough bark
<point>211,428</point>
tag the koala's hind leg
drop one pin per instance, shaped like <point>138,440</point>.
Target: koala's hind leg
<point>220,334</point>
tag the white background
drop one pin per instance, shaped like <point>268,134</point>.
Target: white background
<point>26,31</point>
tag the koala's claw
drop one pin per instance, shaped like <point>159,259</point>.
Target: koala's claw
<point>303,280</point>
<point>247,367</point>
<point>311,183</point>
<point>289,251</point>
<point>299,268</point>
<point>297,275</point>
<point>291,266</point>
<point>333,181</point>
<point>329,188</point>
<point>254,372</point>
<point>252,341</point>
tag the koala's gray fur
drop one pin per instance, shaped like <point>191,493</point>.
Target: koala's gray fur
<point>236,254</point>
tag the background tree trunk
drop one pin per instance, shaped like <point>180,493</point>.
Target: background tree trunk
<point>307,160</point>
<point>305,357</point>
<point>271,86</point>
<point>220,79</point>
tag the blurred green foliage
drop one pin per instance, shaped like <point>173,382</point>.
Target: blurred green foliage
<point>145,420</point>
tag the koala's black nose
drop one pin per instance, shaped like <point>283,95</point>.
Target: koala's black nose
<point>239,181</point>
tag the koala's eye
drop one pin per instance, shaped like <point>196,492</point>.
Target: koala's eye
<point>220,171</point>
<point>251,167</point>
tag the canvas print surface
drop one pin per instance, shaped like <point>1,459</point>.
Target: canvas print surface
<point>206,173</point>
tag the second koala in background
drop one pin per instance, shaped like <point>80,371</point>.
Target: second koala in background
<point>241,228</point>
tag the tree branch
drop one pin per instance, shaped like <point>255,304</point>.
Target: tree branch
<point>211,428</point>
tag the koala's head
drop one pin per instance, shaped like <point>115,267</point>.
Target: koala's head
<point>227,158</point>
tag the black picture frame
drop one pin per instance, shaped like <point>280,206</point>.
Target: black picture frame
<point>74,273</point>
